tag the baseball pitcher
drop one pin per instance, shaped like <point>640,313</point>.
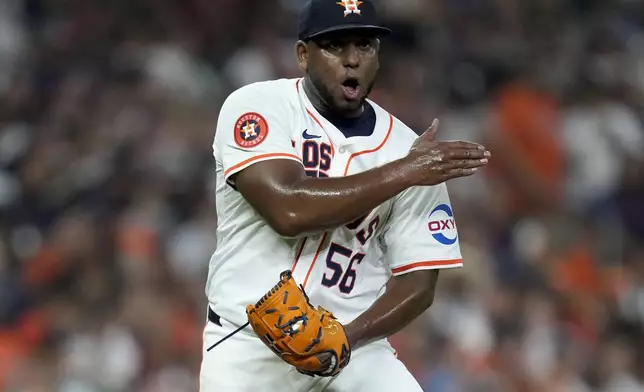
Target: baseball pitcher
<point>324,199</point>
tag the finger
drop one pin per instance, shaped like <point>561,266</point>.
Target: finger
<point>430,133</point>
<point>464,164</point>
<point>326,363</point>
<point>466,153</point>
<point>462,144</point>
<point>460,172</point>
<point>325,359</point>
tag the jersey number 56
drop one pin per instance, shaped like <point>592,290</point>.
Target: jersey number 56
<point>346,279</point>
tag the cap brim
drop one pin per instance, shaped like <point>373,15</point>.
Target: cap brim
<point>377,30</point>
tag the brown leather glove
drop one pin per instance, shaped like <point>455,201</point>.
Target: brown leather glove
<point>310,339</point>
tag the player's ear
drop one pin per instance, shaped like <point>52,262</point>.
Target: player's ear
<point>302,52</point>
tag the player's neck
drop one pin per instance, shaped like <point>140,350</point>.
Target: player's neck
<point>322,106</point>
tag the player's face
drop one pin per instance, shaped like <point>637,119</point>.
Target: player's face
<point>342,68</point>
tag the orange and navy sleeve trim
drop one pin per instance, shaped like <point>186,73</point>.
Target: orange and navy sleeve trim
<point>261,157</point>
<point>433,264</point>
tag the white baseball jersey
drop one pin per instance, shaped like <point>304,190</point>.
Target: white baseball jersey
<point>346,269</point>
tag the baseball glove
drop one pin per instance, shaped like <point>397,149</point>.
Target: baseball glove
<point>310,339</point>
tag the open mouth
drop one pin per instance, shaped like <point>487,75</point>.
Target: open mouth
<point>351,89</point>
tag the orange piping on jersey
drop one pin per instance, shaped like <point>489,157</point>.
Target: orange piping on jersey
<point>434,263</point>
<point>299,253</point>
<point>391,125</point>
<point>297,87</point>
<point>314,259</point>
<point>259,157</point>
<point>314,118</point>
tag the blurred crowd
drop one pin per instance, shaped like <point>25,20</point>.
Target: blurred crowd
<point>107,221</point>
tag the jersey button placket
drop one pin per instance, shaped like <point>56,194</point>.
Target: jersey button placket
<point>340,160</point>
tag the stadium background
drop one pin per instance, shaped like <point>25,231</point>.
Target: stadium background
<point>107,112</point>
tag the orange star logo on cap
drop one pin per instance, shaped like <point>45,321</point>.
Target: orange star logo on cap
<point>350,6</point>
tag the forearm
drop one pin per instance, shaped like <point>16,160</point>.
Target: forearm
<point>392,312</point>
<point>340,200</point>
<point>299,205</point>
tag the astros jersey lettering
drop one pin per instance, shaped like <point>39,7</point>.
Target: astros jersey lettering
<point>343,270</point>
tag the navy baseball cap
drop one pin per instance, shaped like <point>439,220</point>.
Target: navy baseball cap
<point>319,17</point>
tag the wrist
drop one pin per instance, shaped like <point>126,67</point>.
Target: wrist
<point>404,173</point>
<point>352,335</point>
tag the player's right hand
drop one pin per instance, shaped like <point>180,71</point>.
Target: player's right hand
<point>432,162</point>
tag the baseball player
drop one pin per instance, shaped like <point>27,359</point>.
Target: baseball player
<point>324,198</point>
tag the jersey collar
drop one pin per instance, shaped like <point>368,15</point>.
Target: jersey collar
<point>380,132</point>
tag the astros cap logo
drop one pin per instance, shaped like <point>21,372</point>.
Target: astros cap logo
<point>350,6</point>
<point>250,130</point>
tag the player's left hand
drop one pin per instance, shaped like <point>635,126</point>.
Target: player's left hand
<point>310,339</point>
